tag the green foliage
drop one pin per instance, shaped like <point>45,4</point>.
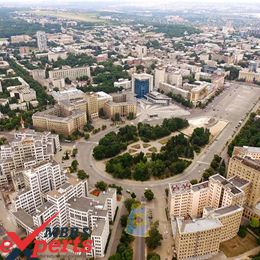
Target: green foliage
<point>119,189</point>
<point>234,72</point>
<point>176,30</point>
<point>123,220</point>
<point>155,237</point>
<point>254,222</point>
<point>75,61</point>
<point>194,181</point>
<point>130,204</point>
<point>3,140</point>
<point>10,26</point>
<point>180,99</point>
<point>249,135</point>
<point>82,175</point>
<point>153,44</point>
<point>148,132</point>
<point>217,165</point>
<point>200,136</point>
<point>74,165</point>
<point>101,185</point>
<point>153,256</point>
<point>112,144</point>
<point>149,195</point>
<point>166,162</point>
<point>242,231</point>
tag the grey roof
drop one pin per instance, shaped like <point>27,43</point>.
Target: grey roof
<point>98,228</point>
<point>226,210</point>
<point>238,182</point>
<point>24,218</point>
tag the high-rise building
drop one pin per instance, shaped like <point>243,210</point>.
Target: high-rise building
<point>247,169</point>
<point>205,214</point>
<point>48,191</point>
<point>27,148</point>
<point>41,41</point>
<point>142,84</point>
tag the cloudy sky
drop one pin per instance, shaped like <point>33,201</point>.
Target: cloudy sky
<point>144,3</point>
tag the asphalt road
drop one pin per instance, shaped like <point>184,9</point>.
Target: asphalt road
<point>139,252</point>
<point>232,105</point>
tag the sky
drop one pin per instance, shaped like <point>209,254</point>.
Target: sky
<point>148,3</point>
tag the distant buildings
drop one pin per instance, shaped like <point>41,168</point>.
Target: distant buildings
<point>71,73</point>
<point>123,83</point>
<point>142,84</point>
<point>41,41</point>
<point>20,38</point>
<point>249,76</point>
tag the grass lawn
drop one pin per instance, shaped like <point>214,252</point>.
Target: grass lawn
<point>78,16</point>
<point>237,245</point>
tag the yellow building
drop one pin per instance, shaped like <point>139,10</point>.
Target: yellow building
<point>60,120</point>
<point>248,169</point>
<point>197,239</point>
<point>122,104</point>
<point>249,76</point>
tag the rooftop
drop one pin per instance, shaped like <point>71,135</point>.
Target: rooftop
<point>197,225</point>
<point>180,187</point>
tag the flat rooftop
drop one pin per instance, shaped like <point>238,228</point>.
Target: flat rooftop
<point>200,186</point>
<point>197,225</point>
<point>180,187</point>
<point>238,182</point>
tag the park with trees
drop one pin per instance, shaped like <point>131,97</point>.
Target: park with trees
<point>114,143</point>
<point>174,157</point>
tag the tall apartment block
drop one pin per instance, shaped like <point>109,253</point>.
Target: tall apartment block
<point>245,164</point>
<point>47,191</point>
<point>205,214</point>
<point>41,41</point>
<point>27,148</point>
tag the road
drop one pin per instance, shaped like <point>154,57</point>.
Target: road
<point>232,105</point>
<point>139,245</point>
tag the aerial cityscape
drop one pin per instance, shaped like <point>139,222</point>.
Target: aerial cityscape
<point>130,130</point>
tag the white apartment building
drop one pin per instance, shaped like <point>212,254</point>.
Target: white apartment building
<point>76,209</point>
<point>71,73</point>
<point>27,148</point>
<point>40,178</point>
<point>41,41</point>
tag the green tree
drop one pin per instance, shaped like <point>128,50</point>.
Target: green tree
<point>123,220</point>
<point>254,222</point>
<point>149,195</point>
<point>74,165</point>
<point>101,185</point>
<point>141,172</point>
<point>242,231</point>
<point>194,181</point>
<point>82,175</point>
<point>155,237</point>
<point>153,256</point>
